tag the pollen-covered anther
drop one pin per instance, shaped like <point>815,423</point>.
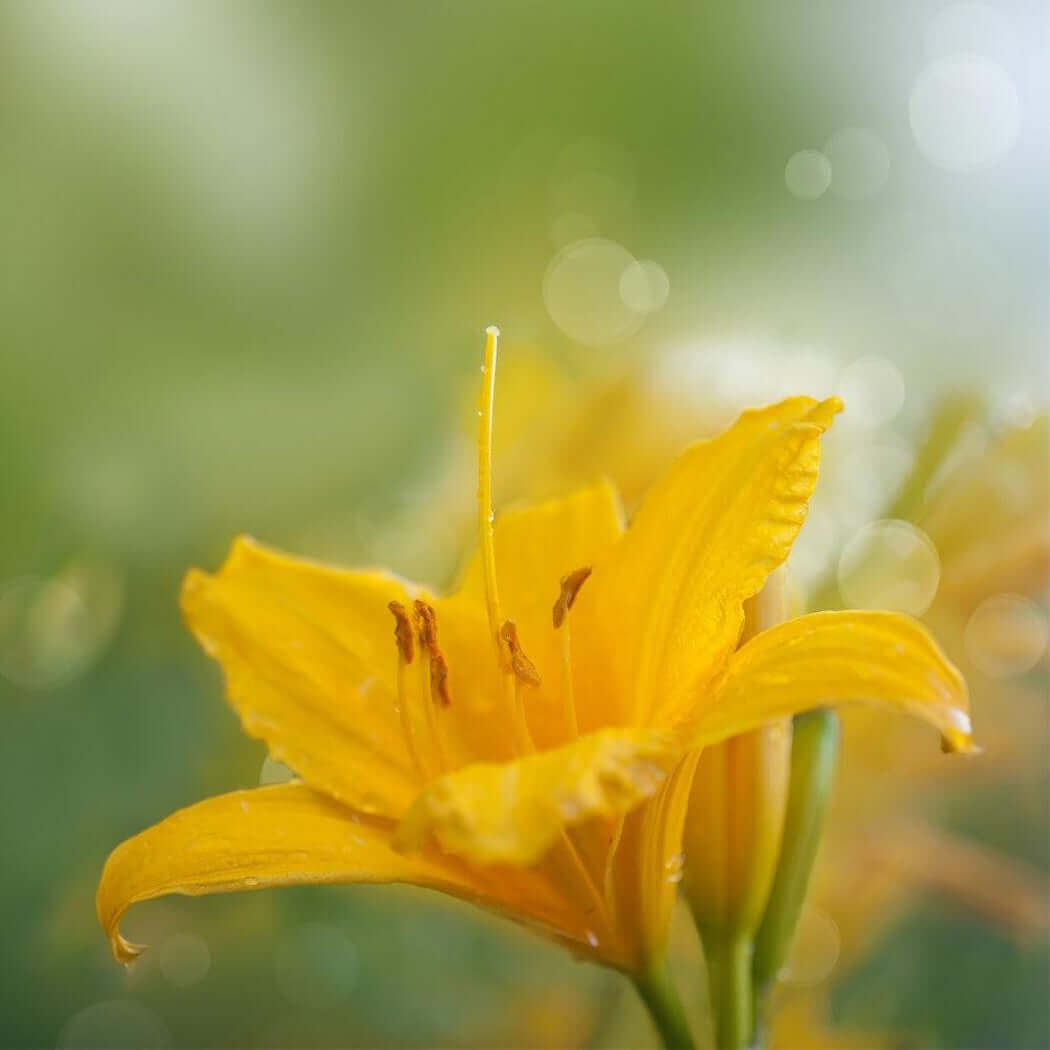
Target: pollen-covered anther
<point>570,587</point>
<point>403,632</point>
<point>520,664</point>
<point>426,620</point>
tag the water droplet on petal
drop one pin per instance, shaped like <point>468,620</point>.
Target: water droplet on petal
<point>674,867</point>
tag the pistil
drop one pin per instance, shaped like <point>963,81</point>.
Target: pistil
<point>504,657</point>
<point>485,513</point>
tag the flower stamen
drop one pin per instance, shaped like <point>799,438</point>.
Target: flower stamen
<point>570,587</point>
<point>433,677</point>
<point>523,668</point>
<point>428,640</point>
<point>405,638</point>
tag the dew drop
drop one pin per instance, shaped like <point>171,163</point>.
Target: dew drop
<point>674,867</point>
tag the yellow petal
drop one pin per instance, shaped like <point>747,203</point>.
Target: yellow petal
<point>514,811</point>
<point>311,666</point>
<point>290,835</point>
<point>829,658</point>
<point>647,865</point>
<point>661,614</point>
<point>535,547</point>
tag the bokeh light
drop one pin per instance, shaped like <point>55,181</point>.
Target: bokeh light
<point>582,293</point>
<point>965,112</point>
<point>53,628</point>
<point>1007,635</point>
<point>116,1024</point>
<point>184,959</point>
<point>889,565</point>
<point>645,286</point>
<point>808,174</point>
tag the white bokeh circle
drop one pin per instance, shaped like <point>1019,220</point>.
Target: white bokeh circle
<point>965,112</point>
<point>645,286</point>
<point>889,564</point>
<point>808,174</point>
<point>582,292</point>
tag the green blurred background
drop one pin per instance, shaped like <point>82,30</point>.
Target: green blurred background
<point>247,250</point>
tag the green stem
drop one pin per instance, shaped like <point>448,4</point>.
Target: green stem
<point>729,978</point>
<point>665,1008</point>
<point>814,750</point>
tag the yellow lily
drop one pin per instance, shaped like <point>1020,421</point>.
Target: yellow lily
<point>539,769</point>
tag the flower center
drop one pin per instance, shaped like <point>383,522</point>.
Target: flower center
<point>418,703</point>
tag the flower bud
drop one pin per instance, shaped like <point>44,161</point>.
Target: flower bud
<point>736,813</point>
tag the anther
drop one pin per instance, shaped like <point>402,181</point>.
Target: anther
<point>570,587</point>
<point>520,664</point>
<point>428,639</point>
<point>403,631</point>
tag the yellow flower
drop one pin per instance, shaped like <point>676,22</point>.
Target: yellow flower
<point>527,761</point>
